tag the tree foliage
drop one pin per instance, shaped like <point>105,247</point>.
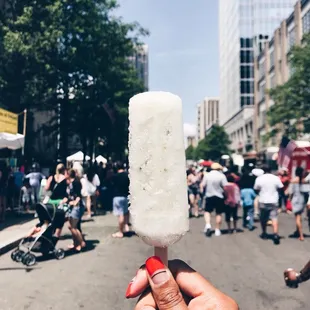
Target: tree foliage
<point>190,153</point>
<point>214,145</point>
<point>73,53</point>
<point>292,99</point>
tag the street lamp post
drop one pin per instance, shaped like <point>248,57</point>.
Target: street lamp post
<point>59,132</point>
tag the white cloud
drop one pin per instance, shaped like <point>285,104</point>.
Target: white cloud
<point>189,130</point>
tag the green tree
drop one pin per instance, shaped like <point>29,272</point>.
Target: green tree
<point>214,145</point>
<point>72,53</point>
<point>190,153</point>
<point>292,99</point>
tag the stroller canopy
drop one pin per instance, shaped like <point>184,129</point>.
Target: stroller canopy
<point>46,212</point>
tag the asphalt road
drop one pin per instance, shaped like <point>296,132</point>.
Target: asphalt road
<point>242,265</point>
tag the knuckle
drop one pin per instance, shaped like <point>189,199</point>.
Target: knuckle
<point>169,298</point>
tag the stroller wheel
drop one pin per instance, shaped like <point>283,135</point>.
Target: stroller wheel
<point>19,256</point>
<point>14,254</point>
<point>29,259</point>
<point>59,254</point>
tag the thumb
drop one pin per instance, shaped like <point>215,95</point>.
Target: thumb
<point>165,290</point>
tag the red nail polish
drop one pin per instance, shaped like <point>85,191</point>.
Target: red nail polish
<point>128,291</point>
<point>153,264</point>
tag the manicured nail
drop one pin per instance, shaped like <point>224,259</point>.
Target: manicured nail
<point>157,270</point>
<point>128,291</point>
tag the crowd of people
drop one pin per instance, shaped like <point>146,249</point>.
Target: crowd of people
<point>80,188</point>
<point>261,194</point>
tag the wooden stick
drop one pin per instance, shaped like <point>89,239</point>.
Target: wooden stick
<point>162,253</point>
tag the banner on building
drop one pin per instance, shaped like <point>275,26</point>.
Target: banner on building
<point>8,122</point>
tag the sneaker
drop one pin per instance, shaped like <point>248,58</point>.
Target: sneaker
<point>217,232</point>
<point>208,232</point>
<point>276,239</point>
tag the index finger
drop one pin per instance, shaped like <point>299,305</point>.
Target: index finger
<point>190,282</point>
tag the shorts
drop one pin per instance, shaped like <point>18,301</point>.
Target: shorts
<point>231,212</point>
<point>268,211</point>
<point>215,203</point>
<point>120,206</point>
<point>77,212</point>
<point>193,190</point>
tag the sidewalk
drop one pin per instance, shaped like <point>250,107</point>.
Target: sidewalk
<point>14,229</point>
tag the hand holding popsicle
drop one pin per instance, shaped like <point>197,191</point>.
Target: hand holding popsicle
<point>177,288</point>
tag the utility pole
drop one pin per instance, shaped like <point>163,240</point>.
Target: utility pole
<point>24,130</point>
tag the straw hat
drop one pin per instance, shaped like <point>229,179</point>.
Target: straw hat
<point>216,166</point>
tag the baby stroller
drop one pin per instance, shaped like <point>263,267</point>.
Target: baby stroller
<point>44,242</point>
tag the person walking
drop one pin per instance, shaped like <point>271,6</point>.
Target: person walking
<point>57,186</point>
<point>90,184</point>
<point>120,183</point>
<point>248,196</point>
<point>268,186</point>
<point>285,179</point>
<point>232,202</point>
<point>193,191</point>
<point>76,202</point>
<point>214,182</point>
<point>35,178</point>
<point>297,198</point>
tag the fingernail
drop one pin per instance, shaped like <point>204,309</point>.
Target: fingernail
<point>157,270</point>
<point>128,291</point>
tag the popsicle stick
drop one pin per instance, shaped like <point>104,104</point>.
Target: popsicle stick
<point>162,253</point>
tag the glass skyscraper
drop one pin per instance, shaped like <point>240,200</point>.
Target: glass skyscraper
<point>244,26</point>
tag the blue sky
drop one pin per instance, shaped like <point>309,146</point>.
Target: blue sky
<point>183,47</point>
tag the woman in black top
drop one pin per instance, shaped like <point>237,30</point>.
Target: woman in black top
<point>57,185</point>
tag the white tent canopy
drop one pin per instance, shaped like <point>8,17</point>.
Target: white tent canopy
<point>11,141</point>
<point>101,159</point>
<point>79,156</point>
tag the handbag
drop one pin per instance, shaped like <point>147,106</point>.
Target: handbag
<point>289,205</point>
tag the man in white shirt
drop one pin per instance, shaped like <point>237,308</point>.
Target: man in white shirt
<point>214,181</point>
<point>268,186</point>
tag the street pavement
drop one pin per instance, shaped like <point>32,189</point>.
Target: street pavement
<point>242,265</point>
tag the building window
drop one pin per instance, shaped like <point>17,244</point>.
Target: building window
<point>272,59</point>
<point>247,101</point>
<point>246,57</point>
<point>246,43</point>
<point>246,87</point>
<point>261,69</point>
<point>273,81</point>
<point>262,119</point>
<point>247,72</point>
<point>261,91</point>
<point>306,23</point>
<point>291,38</point>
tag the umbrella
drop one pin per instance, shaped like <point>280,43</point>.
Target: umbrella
<point>79,156</point>
<point>11,141</point>
<point>101,159</point>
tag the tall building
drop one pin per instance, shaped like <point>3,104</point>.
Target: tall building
<point>273,68</point>
<point>140,61</point>
<point>245,25</point>
<point>207,116</point>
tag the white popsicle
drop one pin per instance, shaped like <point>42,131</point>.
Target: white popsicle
<point>158,188</point>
